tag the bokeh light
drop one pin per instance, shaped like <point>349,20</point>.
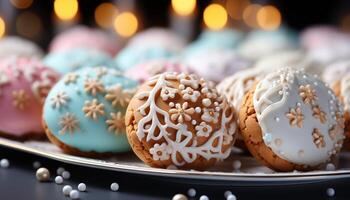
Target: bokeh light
<point>250,15</point>
<point>345,23</point>
<point>66,9</point>
<point>2,27</point>
<point>269,18</point>
<point>28,24</point>
<point>105,14</point>
<point>215,16</point>
<point>22,4</point>
<point>126,24</point>
<point>183,7</point>
<point>235,8</point>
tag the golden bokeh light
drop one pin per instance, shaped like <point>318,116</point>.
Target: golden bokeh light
<point>28,24</point>
<point>126,24</point>
<point>215,16</point>
<point>183,7</point>
<point>22,4</point>
<point>2,27</point>
<point>66,9</point>
<point>250,15</point>
<point>345,23</point>
<point>269,18</point>
<point>105,14</point>
<point>235,8</point>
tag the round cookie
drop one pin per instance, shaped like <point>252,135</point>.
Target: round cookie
<point>85,37</point>
<point>291,120</point>
<point>16,46</point>
<point>180,120</point>
<point>316,36</point>
<point>335,72</point>
<point>84,112</point>
<point>146,70</point>
<point>74,59</point>
<point>24,84</point>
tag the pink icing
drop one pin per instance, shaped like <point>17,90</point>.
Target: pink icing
<point>318,36</point>
<point>84,37</point>
<point>30,76</point>
<point>144,71</point>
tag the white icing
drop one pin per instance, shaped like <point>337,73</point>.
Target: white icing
<point>345,91</point>
<point>185,144</point>
<point>312,136</point>
<point>334,72</point>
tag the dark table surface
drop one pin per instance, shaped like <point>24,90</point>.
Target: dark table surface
<point>18,182</point>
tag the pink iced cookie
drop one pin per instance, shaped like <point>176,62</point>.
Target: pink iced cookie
<point>144,71</point>
<point>317,36</point>
<point>24,84</point>
<point>84,37</point>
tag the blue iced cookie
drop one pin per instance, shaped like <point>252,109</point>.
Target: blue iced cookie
<point>84,112</point>
<point>74,59</point>
<point>130,56</point>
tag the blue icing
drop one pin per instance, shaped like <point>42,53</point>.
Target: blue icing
<point>131,56</point>
<point>92,135</point>
<point>279,35</point>
<point>75,59</point>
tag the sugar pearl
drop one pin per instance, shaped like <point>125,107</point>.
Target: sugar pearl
<point>330,192</point>
<point>231,197</point>
<point>237,164</point>
<point>179,197</point>
<point>66,189</point>
<point>66,174</point>
<point>206,102</point>
<point>204,197</point>
<point>36,164</point>
<point>4,163</point>
<point>227,193</point>
<point>114,187</point>
<point>74,194</point>
<point>330,167</point>
<point>60,170</point>
<point>42,174</point>
<point>82,187</point>
<point>191,192</point>
<point>58,180</point>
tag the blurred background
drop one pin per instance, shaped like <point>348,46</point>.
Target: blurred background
<point>40,20</point>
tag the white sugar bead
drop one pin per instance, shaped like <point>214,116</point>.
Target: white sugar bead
<point>82,187</point>
<point>66,174</point>
<point>179,197</point>
<point>58,180</point>
<point>114,187</point>
<point>237,164</point>
<point>330,192</point>
<point>204,197</point>
<point>227,193</point>
<point>231,197</point>
<point>330,167</point>
<point>74,194</point>
<point>66,189</point>
<point>4,163</point>
<point>60,170</point>
<point>191,192</point>
<point>36,164</point>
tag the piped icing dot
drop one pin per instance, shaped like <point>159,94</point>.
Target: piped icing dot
<point>267,137</point>
<point>278,142</point>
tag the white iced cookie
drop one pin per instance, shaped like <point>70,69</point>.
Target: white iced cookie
<point>335,72</point>
<point>298,120</point>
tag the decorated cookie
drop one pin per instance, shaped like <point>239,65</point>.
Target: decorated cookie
<point>74,59</point>
<point>180,120</point>
<point>291,120</point>
<point>84,37</point>
<point>214,65</point>
<point>144,71</point>
<point>84,112</point>
<point>16,46</point>
<point>314,37</point>
<point>24,84</point>
<point>335,72</point>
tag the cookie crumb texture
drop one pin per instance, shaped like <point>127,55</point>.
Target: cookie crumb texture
<point>180,120</point>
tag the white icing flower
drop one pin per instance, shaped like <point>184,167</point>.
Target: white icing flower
<point>160,152</point>
<point>167,93</point>
<point>203,129</point>
<point>189,80</point>
<point>210,115</point>
<point>227,138</point>
<point>190,94</point>
<point>181,113</point>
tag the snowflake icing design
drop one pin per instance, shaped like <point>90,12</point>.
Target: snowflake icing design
<point>116,123</point>
<point>319,114</point>
<point>71,78</point>
<point>93,86</point>
<point>20,99</point>
<point>93,109</point>
<point>68,123</point>
<point>295,117</point>
<point>318,138</point>
<point>60,99</point>
<point>118,95</point>
<point>308,94</point>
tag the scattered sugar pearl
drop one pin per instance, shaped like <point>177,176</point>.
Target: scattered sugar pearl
<point>194,122</point>
<point>36,164</point>
<point>237,164</point>
<point>179,197</point>
<point>58,180</point>
<point>206,102</point>
<point>330,167</point>
<point>280,92</point>
<point>82,187</point>
<point>4,163</point>
<point>191,192</point>
<point>198,109</point>
<point>171,104</point>
<point>204,197</point>
<point>66,174</point>
<point>231,197</point>
<point>227,193</point>
<point>330,192</point>
<point>267,137</point>
<point>66,189</point>
<point>74,194</point>
<point>114,187</point>
<point>60,170</point>
<point>42,174</point>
